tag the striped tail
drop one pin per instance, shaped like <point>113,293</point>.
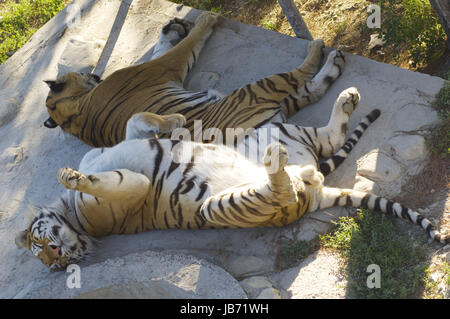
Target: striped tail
<point>333,162</point>
<point>332,197</point>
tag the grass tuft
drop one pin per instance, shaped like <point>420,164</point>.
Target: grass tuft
<point>20,20</point>
<point>373,238</point>
<point>439,139</point>
<point>293,252</point>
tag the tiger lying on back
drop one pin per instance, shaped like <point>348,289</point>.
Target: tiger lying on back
<point>97,111</point>
<point>144,183</point>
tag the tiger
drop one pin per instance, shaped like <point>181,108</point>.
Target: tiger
<point>96,111</point>
<point>151,183</point>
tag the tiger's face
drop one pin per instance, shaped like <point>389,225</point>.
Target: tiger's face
<point>52,239</point>
<point>63,92</point>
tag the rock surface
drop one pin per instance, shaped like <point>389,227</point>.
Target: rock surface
<point>318,276</point>
<point>144,275</point>
<point>254,286</point>
<point>250,53</point>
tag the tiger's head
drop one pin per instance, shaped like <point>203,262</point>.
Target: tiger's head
<point>66,89</point>
<point>52,239</point>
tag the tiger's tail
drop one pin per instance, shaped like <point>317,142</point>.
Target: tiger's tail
<point>329,165</point>
<point>332,197</point>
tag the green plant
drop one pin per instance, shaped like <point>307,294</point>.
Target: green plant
<point>439,139</point>
<point>266,24</point>
<point>292,252</point>
<point>447,273</point>
<point>20,21</point>
<point>373,238</point>
<point>341,237</point>
<point>412,24</point>
<point>207,5</point>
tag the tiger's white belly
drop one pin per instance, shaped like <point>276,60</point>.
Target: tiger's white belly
<point>219,165</point>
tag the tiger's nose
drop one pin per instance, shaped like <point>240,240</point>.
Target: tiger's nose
<point>50,123</point>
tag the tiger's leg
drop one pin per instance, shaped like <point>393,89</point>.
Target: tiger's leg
<point>330,138</point>
<point>260,101</point>
<point>171,34</point>
<point>252,204</point>
<point>175,64</point>
<point>312,91</point>
<point>323,141</point>
<point>118,185</point>
<point>148,125</point>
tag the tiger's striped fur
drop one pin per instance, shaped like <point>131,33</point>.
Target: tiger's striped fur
<point>97,111</point>
<point>150,183</point>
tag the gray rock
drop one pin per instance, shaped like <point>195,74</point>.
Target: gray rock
<point>11,157</point>
<point>316,277</point>
<point>244,266</point>
<point>269,293</point>
<point>364,184</point>
<point>379,167</point>
<point>375,43</point>
<point>9,107</point>
<point>253,286</point>
<point>144,275</point>
<point>408,147</point>
<point>79,55</point>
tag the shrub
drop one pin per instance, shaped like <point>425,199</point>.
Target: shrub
<point>21,20</point>
<point>414,24</point>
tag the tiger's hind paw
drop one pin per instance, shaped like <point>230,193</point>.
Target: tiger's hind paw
<point>334,66</point>
<point>206,20</point>
<point>180,26</point>
<point>348,100</point>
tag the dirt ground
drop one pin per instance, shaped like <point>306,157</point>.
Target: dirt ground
<point>338,22</point>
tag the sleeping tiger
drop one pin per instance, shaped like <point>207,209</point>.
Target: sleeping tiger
<point>215,186</point>
<point>97,111</point>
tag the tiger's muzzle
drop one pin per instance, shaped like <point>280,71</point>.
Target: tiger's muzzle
<point>50,123</point>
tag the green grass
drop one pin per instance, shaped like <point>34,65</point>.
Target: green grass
<point>269,25</point>
<point>210,5</point>
<point>447,273</point>
<point>21,20</point>
<point>293,252</point>
<point>207,5</point>
<point>374,238</point>
<point>439,139</point>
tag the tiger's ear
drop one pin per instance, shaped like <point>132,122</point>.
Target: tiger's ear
<point>96,77</point>
<point>22,239</point>
<point>55,87</point>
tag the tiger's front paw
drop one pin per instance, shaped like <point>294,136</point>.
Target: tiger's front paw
<point>206,20</point>
<point>71,178</point>
<point>275,158</point>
